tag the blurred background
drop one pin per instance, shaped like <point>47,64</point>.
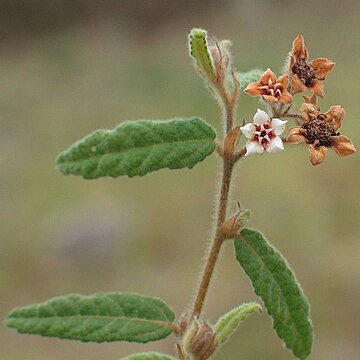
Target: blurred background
<point>70,67</point>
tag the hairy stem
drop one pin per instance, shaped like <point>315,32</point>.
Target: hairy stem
<point>229,159</point>
<point>228,165</point>
<point>298,118</point>
<point>228,106</point>
<point>287,115</point>
<point>229,118</point>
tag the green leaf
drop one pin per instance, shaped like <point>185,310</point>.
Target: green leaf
<point>246,78</point>
<point>148,356</point>
<point>274,281</point>
<point>228,323</point>
<point>139,147</point>
<point>103,317</point>
<point>198,45</point>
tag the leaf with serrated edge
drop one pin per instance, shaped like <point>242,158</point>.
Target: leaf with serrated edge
<point>228,323</point>
<point>102,317</point>
<point>148,356</point>
<point>274,281</point>
<point>136,148</point>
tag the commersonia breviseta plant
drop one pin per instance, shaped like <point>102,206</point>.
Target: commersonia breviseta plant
<point>136,148</point>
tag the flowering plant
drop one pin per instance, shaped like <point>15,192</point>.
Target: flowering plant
<point>137,148</point>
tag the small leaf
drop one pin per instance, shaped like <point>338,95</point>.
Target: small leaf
<point>148,356</point>
<point>228,323</point>
<point>199,50</point>
<point>103,317</point>
<point>246,78</point>
<point>245,215</point>
<point>274,281</point>
<point>138,147</point>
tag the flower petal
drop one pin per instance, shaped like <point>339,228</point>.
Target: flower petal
<point>286,97</point>
<point>296,135</point>
<point>317,88</point>
<point>292,61</point>
<point>253,89</point>
<point>283,80</point>
<point>275,145</point>
<point>296,85</point>
<point>299,49</point>
<point>270,99</point>
<point>266,76</point>
<point>253,147</point>
<point>335,116</point>
<point>278,125</point>
<point>310,100</point>
<point>322,67</point>
<point>308,112</point>
<point>248,130</point>
<point>343,145</point>
<point>317,154</point>
<point>261,117</point>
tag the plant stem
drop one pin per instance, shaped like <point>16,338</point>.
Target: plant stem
<point>229,159</point>
<point>287,115</point>
<point>228,165</point>
<point>228,107</point>
<point>229,117</point>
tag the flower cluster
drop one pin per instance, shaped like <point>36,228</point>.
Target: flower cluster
<point>318,130</point>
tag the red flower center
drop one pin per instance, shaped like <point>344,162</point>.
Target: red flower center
<point>263,134</point>
<point>271,89</point>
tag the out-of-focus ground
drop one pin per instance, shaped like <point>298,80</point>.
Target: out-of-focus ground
<point>70,67</point>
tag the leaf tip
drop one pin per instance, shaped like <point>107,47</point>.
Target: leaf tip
<point>198,33</point>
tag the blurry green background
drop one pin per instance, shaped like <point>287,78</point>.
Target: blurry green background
<point>70,67</point>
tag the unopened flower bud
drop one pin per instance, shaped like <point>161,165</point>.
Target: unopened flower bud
<point>183,322</point>
<point>232,226</point>
<point>200,340</point>
<point>220,53</point>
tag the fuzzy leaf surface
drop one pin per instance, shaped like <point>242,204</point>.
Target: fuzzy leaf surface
<point>136,148</point>
<point>103,317</point>
<point>228,323</point>
<point>148,356</point>
<point>247,77</point>
<point>198,45</point>
<point>274,281</point>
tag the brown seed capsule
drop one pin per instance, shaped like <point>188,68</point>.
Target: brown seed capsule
<point>307,75</point>
<point>200,340</point>
<point>320,132</point>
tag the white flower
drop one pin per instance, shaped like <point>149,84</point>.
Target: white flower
<point>263,134</point>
